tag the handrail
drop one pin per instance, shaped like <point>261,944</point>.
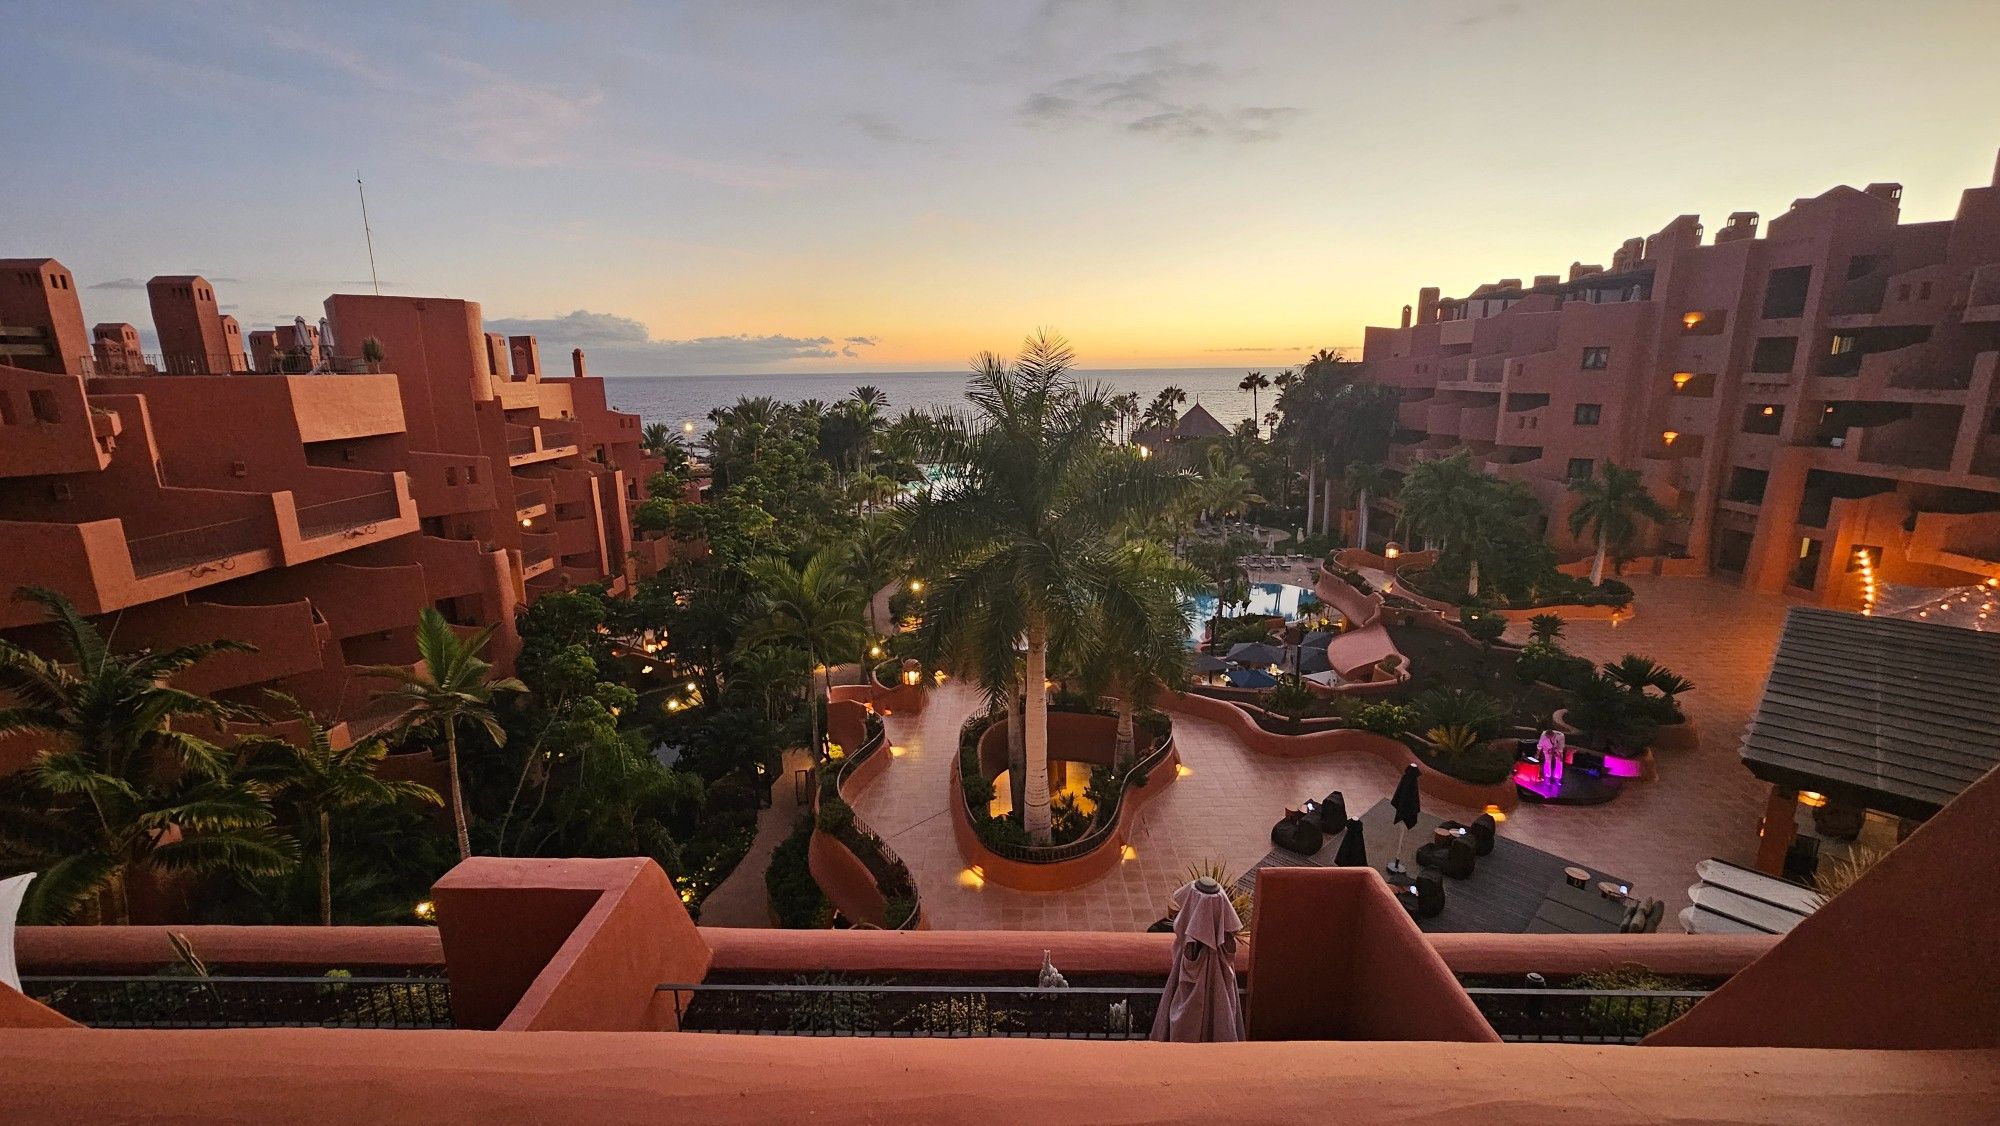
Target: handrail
<point>347,512</point>
<point>877,738</point>
<point>170,551</point>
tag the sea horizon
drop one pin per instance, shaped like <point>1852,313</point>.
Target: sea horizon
<point>682,399</point>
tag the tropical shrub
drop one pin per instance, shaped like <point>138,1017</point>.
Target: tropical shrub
<point>1453,740</point>
<point>1547,663</point>
<point>1291,698</point>
<point>795,895</point>
<point>1384,718</point>
<point>835,817</point>
<point>1484,626</point>
<point>1546,628</point>
<point>1475,712</point>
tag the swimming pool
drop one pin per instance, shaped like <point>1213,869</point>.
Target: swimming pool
<point>1278,600</point>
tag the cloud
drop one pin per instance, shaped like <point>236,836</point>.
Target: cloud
<point>623,346</point>
<point>1154,92</point>
<point>140,283</point>
<point>876,127</point>
<point>1498,12</point>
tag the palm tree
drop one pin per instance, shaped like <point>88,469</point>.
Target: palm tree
<point>1611,505</point>
<point>1126,407</point>
<point>1221,564</point>
<point>454,685</point>
<point>1367,480</point>
<point>817,608</point>
<point>1254,382</point>
<point>772,672</point>
<point>1138,645</point>
<point>1021,533</point>
<point>317,780</point>
<point>122,787</point>
<point>872,397</point>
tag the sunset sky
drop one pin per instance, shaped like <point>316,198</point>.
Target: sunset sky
<point>747,186</point>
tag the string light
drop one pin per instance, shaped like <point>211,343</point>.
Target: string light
<point>1867,581</point>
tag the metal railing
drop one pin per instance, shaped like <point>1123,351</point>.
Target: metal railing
<point>1083,1013</point>
<point>809,1008</point>
<point>1581,1016</point>
<point>247,1002</point>
<point>170,551</point>
<point>348,512</point>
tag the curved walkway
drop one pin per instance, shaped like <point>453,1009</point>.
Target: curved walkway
<point>1705,803</point>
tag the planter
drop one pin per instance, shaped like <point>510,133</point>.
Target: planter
<point>1344,740</point>
<point>1641,766</point>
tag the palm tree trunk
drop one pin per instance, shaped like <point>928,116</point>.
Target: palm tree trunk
<point>1035,811</point>
<point>325,868</point>
<point>1326,517</point>
<point>1472,580</point>
<point>1017,748</point>
<point>1597,565</point>
<point>1312,471</point>
<point>1122,748</point>
<point>1361,520</point>
<point>457,790</point>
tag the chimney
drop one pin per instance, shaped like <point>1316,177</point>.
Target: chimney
<point>1891,192</point>
<point>1406,316</point>
<point>1427,305</point>
<point>576,361</point>
<point>1741,225</point>
<point>189,324</point>
<point>1542,280</point>
<point>1579,270</point>
<point>1508,284</point>
<point>41,318</point>
<point>527,357</point>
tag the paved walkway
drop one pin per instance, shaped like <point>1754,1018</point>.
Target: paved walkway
<point>1222,808</point>
<point>741,899</point>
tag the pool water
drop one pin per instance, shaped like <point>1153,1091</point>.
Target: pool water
<point>1278,600</point>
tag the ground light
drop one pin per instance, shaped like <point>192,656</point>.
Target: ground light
<point>425,910</point>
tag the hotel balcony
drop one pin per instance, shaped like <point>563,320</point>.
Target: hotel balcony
<point>538,554</point>
<point>546,441</point>
<point>1672,445</point>
<point>1490,370</point>
<point>450,484</point>
<point>48,425</point>
<point>1968,542</point>
<point>1453,334</point>
<point>1982,303</point>
<point>1533,374</point>
<point>531,500</point>
<point>315,530</point>
<point>1914,297</point>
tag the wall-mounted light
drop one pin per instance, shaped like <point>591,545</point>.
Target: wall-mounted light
<point>1668,436</point>
<point>1682,378</point>
<point>1811,799</point>
<point>1769,411</point>
<point>1691,319</point>
<point>1391,550</point>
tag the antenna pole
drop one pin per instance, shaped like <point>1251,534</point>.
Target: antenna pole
<point>373,279</point>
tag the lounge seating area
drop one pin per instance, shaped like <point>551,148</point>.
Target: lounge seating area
<point>1464,877</point>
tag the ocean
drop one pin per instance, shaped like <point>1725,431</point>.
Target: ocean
<point>678,399</point>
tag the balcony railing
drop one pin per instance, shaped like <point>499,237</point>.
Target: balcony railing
<point>808,1008</point>
<point>172,363</point>
<point>247,1002</point>
<point>189,547</point>
<point>332,516</point>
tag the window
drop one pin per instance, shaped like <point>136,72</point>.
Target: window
<point>1596,359</point>
<point>7,415</point>
<point>42,404</point>
<point>1903,292</point>
<point>1774,354</point>
<point>1746,485</point>
<point>1861,265</point>
<point>1924,292</point>
<point>1580,468</point>
<point>451,475</point>
<point>1763,418</point>
<point>1785,292</point>
<point>1587,414</point>
<point>1843,343</point>
<point>1805,574</point>
<point>472,474</point>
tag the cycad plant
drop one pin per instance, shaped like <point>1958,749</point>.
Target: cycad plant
<point>123,788</point>
<point>454,685</point>
<point>1019,536</point>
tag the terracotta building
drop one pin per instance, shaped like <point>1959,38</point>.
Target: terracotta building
<point>1819,400</point>
<point>191,496</point>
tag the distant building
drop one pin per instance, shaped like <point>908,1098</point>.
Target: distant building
<point>195,496</point>
<point>1820,400</point>
<point>1193,424</point>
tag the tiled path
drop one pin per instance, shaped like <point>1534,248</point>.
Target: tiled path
<point>1705,803</point>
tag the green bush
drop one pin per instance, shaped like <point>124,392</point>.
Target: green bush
<point>795,895</point>
<point>1291,698</point>
<point>1547,663</point>
<point>1482,764</point>
<point>1476,712</point>
<point>836,817</point>
<point>1384,718</point>
<point>1485,628</point>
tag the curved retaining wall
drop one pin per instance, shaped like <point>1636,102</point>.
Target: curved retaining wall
<point>1078,739</point>
<point>840,874</point>
<point>1444,787</point>
<point>886,701</point>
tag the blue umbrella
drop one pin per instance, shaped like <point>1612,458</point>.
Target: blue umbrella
<point>1249,678</point>
<point>1313,660</point>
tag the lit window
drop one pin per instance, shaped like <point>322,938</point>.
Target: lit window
<point>1596,359</point>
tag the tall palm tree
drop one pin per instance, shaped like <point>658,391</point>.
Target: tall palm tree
<point>454,685</point>
<point>1366,480</point>
<point>317,781</point>
<point>1138,642</point>
<point>1610,505</point>
<point>1019,537</point>
<point>817,608</point>
<point>1126,407</point>
<point>122,788</point>
<point>1254,382</point>
<point>872,397</point>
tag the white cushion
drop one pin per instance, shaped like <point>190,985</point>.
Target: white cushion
<point>11,891</point>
